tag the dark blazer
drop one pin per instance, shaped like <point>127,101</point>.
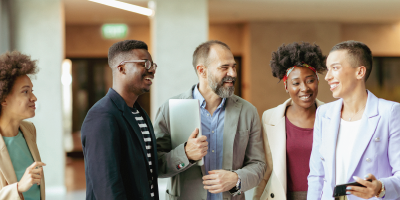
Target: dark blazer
<point>116,162</point>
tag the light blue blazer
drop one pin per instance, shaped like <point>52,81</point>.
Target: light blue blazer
<point>377,150</point>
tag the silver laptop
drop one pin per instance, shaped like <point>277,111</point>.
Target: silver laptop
<point>184,117</point>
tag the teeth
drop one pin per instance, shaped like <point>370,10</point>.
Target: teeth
<point>149,79</point>
<point>334,85</point>
<point>305,97</point>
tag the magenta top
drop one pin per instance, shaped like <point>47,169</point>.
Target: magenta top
<point>298,151</point>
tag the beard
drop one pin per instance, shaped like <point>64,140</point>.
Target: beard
<point>218,87</point>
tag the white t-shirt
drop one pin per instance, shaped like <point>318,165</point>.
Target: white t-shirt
<point>348,132</point>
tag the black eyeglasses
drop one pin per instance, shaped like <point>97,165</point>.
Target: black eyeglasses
<point>147,63</point>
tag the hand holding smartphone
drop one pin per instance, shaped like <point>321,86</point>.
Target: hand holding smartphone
<point>340,190</point>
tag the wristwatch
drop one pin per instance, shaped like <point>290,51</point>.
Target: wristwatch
<point>236,190</point>
<point>382,192</point>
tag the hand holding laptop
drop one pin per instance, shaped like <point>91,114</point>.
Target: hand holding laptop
<point>196,147</point>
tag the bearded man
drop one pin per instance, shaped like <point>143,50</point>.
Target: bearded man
<point>231,141</point>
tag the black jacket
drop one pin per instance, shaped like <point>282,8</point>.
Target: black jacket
<point>116,162</point>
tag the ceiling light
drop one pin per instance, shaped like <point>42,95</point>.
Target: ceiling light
<point>125,6</point>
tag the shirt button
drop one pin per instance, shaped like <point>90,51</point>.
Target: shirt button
<point>322,158</point>
<point>377,139</point>
<point>208,114</point>
<point>212,131</point>
<point>368,160</point>
<point>213,151</point>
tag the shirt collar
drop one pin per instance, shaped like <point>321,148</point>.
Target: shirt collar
<point>197,95</point>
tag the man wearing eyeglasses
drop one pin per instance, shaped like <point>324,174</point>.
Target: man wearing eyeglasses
<point>118,141</point>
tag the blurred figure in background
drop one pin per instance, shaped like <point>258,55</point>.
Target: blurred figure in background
<point>21,169</point>
<point>356,137</point>
<point>117,135</point>
<point>231,144</point>
<point>288,128</point>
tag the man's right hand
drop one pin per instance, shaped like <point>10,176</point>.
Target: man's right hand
<point>196,148</point>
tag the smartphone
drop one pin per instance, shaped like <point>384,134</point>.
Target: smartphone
<point>340,190</point>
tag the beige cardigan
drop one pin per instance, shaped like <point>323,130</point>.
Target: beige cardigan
<point>274,135</point>
<point>8,179</point>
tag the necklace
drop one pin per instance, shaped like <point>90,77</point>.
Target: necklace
<point>357,113</point>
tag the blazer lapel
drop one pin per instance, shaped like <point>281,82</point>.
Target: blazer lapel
<point>367,129</point>
<point>329,140</point>
<point>127,113</point>
<point>232,113</point>
<point>6,167</point>
<point>151,130</point>
<point>30,141</point>
<point>135,126</point>
<point>276,132</point>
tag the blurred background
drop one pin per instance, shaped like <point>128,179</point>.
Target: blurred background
<point>70,40</point>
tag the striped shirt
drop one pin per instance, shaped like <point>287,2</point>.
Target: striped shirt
<point>147,141</point>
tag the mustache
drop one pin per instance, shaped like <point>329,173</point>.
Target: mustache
<point>228,78</point>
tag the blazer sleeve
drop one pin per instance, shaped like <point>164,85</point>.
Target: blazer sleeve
<point>101,148</point>
<point>317,173</point>
<point>392,184</point>
<point>10,192</point>
<point>268,157</point>
<point>254,165</point>
<point>168,158</point>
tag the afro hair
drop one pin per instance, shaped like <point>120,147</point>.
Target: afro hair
<point>295,54</point>
<point>12,65</point>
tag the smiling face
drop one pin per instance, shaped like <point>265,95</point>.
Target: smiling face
<point>221,71</point>
<point>138,79</point>
<point>20,102</point>
<point>302,86</point>
<point>341,76</point>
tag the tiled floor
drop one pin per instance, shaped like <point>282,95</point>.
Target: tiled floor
<point>75,182</point>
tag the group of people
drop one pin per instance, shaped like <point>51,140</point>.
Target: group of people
<point>300,149</point>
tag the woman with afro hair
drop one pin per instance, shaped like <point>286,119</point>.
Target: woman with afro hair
<point>21,172</point>
<point>288,128</point>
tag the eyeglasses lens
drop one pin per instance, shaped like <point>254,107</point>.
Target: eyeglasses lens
<point>149,65</point>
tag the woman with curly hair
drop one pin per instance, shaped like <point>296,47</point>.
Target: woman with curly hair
<point>21,172</point>
<point>288,128</point>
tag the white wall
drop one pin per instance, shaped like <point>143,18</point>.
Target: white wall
<point>177,28</point>
<point>4,27</point>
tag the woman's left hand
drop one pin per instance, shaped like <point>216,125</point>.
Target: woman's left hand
<point>370,190</point>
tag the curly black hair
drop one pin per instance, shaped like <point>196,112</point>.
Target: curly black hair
<point>12,65</point>
<point>295,54</point>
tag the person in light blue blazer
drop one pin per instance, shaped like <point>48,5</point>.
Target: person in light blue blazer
<point>356,137</point>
